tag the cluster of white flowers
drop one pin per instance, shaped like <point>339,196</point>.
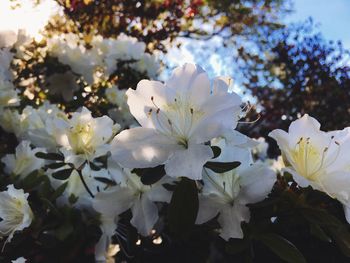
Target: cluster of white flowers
<point>102,57</point>
<point>178,125</point>
<point>181,120</point>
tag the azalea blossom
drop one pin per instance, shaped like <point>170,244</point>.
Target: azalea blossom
<point>75,187</point>
<point>83,137</point>
<point>317,158</point>
<point>227,194</point>
<point>177,119</point>
<point>132,194</point>
<point>24,161</point>
<point>15,211</point>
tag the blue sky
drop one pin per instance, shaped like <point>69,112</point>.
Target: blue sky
<point>333,17</point>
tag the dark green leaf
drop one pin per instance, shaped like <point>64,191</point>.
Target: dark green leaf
<point>318,232</point>
<point>282,248</point>
<point>150,175</point>
<point>341,236</point>
<point>216,151</point>
<point>170,187</point>
<point>320,217</point>
<point>94,167</point>
<point>62,174</point>
<point>183,207</point>
<point>55,165</point>
<point>50,156</point>
<point>73,199</point>
<point>221,167</point>
<point>235,246</point>
<point>59,191</point>
<point>105,180</point>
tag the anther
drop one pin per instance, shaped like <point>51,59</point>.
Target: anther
<point>158,110</point>
<point>191,110</point>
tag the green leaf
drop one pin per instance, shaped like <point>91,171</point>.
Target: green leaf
<point>221,167</point>
<point>72,199</point>
<point>216,151</point>
<point>105,180</point>
<point>183,207</point>
<point>320,217</point>
<point>282,248</point>
<point>62,174</point>
<point>341,236</point>
<point>50,156</point>
<point>59,191</point>
<point>64,231</point>
<point>55,165</point>
<point>318,232</point>
<point>150,175</point>
<point>94,167</point>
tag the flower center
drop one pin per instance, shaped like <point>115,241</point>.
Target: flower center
<point>176,120</point>
<point>309,160</point>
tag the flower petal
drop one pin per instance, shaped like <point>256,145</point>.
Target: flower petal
<point>189,162</point>
<point>142,147</point>
<point>144,215</point>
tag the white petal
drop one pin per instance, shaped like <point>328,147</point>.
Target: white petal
<point>189,162</point>
<point>144,215</point>
<point>347,213</point>
<point>148,94</point>
<point>208,209</point>
<point>256,182</point>
<point>230,221</point>
<point>214,124</point>
<point>182,78</point>
<point>113,202</point>
<point>158,193</point>
<point>141,147</point>
<point>300,180</point>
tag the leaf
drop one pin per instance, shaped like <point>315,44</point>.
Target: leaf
<point>105,180</point>
<point>183,207</point>
<point>62,174</point>
<point>150,175</point>
<point>55,165</point>
<point>235,246</point>
<point>59,191</point>
<point>282,248</point>
<point>170,187</point>
<point>50,156</point>
<point>72,199</point>
<point>341,236</point>
<point>216,151</point>
<point>94,167</point>
<point>318,232</point>
<point>222,167</point>
<point>320,217</point>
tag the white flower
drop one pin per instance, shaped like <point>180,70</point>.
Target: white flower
<point>83,137</point>
<point>24,161</point>
<point>76,187</point>
<point>19,260</point>
<point>317,158</point>
<point>15,211</point>
<point>260,150</point>
<point>8,94</point>
<point>177,118</point>
<point>131,194</point>
<point>228,193</point>
<point>37,125</point>
<point>7,38</point>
